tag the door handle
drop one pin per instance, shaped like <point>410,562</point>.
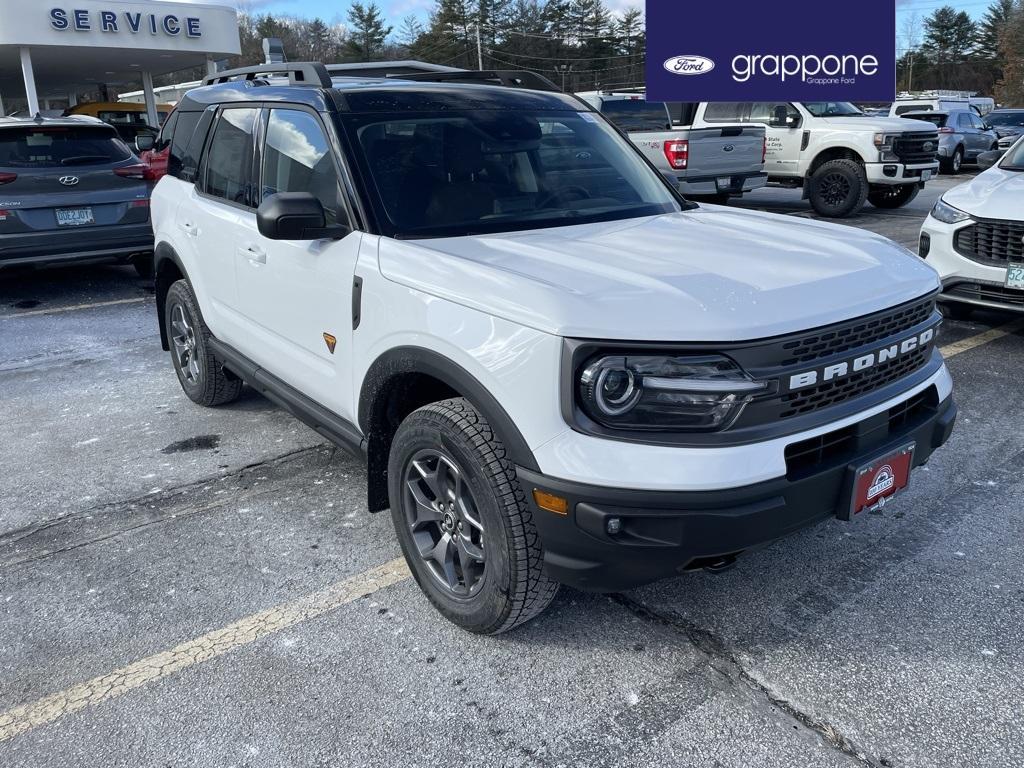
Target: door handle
<point>255,255</point>
<point>190,229</point>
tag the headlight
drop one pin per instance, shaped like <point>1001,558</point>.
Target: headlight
<point>947,214</point>
<point>884,141</point>
<point>657,392</point>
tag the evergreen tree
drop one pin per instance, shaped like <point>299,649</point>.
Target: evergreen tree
<point>368,33</point>
<point>949,41</point>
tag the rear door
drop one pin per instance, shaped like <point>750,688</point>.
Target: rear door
<point>57,182</point>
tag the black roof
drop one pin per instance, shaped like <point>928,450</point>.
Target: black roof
<point>368,95</point>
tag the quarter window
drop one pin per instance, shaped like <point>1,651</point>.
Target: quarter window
<point>229,156</point>
<point>297,158</point>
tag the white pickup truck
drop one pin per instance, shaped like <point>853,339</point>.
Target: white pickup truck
<point>837,154</point>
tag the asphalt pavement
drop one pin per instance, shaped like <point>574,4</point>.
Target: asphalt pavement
<point>191,587</point>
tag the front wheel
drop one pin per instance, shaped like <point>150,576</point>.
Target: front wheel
<point>895,196</point>
<point>463,522</point>
<point>838,188</point>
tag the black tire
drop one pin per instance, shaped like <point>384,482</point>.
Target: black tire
<point>200,373</point>
<point>509,580</point>
<point>895,196</point>
<point>954,310</point>
<point>143,264</point>
<point>838,188</point>
<point>953,164</point>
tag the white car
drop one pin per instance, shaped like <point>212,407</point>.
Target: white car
<point>974,237</point>
<point>556,369</point>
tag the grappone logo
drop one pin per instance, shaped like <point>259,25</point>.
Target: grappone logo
<point>689,65</point>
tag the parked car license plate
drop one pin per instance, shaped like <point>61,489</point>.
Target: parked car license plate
<point>925,175</point>
<point>874,484</point>
<point>74,217</point>
<point>1015,276</point>
<point>724,183</point>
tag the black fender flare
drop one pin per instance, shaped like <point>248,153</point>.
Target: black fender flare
<point>410,359</point>
<point>161,254</point>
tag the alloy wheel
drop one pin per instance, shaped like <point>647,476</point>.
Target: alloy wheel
<point>835,189</point>
<point>445,523</point>
<point>183,338</point>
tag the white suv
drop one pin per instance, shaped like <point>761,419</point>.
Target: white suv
<point>557,369</point>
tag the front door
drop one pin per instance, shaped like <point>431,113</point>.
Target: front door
<point>297,295</point>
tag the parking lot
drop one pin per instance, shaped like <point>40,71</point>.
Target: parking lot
<point>192,587</point>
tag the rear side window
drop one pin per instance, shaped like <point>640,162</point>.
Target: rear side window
<point>229,157</point>
<point>46,147</point>
<point>297,158</point>
<point>633,115</point>
<point>726,112</point>
<point>189,133</point>
<point>163,140</point>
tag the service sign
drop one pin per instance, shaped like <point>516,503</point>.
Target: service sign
<point>790,50</point>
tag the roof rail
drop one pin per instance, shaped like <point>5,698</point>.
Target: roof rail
<point>386,68</point>
<point>509,78</point>
<point>299,73</point>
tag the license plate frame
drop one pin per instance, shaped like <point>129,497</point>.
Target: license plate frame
<point>873,484</point>
<point>1014,277</point>
<point>724,183</point>
<point>74,217</point>
<point>926,175</point>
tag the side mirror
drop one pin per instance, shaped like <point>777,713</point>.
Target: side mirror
<point>296,216</point>
<point>987,159</point>
<point>145,142</point>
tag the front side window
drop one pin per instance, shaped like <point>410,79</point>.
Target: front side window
<point>767,111</point>
<point>464,172</point>
<point>60,147</point>
<point>229,156</point>
<point>297,158</point>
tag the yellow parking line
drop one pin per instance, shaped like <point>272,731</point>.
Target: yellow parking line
<point>74,307</point>
<point>211,645</point>
<point>956,347</point>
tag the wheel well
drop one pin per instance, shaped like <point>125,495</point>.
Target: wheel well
<point>833,153</point>
<point>167,273</point>
<point>396,398</point>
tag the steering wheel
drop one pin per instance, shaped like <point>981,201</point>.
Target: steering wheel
<point>560,194</point>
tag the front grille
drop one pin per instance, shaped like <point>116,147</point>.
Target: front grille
<point>858,333</point>
<point>910,148</point>
<point>835,392</point>
<point>991,242</point>
<point>985,292</point>
<point>843,444</point>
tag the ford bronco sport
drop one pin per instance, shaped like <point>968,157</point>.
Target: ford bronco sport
<point>557,369</point>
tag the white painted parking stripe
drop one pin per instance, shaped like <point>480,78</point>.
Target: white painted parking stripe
<point>74,307</point>
<point>211,645</point>
<point>971,342</point>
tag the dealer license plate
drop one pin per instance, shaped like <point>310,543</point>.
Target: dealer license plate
<point>1015,276</point>
<point>875,484</point>
<point>925,175</point>
<point>74,217</point>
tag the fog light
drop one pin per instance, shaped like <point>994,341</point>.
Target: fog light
<point>889,170</point>
<point>614,526</point>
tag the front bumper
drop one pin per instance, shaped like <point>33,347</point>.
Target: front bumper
<point>709,185</point>
<point>91,244</point>
<point>898,173</point>
<point>664,533</point>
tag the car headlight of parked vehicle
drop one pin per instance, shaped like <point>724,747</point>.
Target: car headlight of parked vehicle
<point>947,214</point>
<point>885,142</point>
<point>665,393</point>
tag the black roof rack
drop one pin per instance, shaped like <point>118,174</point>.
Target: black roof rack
<point>299,73</point>
<point>509,78</point>
<point>386,68</point>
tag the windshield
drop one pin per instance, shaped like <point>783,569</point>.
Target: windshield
<point>46,147</point>
<point>1014,119</point>
<point>832,109</point>
<point>1014,158</point>
<point>442,174</point>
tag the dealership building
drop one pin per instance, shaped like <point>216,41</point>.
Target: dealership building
<point>56,53</point>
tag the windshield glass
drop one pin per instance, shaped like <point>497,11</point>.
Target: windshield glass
<point>1014,119</point>
<point>1014,158</point>
<point>45,147</point>
<point>832,109</point>
<point>440,174</point>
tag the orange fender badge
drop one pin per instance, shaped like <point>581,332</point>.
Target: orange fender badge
<point>331,342</point>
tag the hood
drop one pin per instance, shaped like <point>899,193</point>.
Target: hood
<point>1008,130</point>
<point>880,124</point>
<point>710,274</point>
<point>994,194</point>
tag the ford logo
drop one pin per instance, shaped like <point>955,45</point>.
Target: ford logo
<point>728,148</point>
<point>927,146</point>
<point>68,181</point>
<point>689,65</point>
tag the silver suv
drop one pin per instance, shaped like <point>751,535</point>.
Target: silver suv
<point>963,135</point>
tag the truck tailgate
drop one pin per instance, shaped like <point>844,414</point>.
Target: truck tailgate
<point>728,150</point>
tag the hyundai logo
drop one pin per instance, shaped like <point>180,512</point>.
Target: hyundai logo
<point>68,181</point>
<point>728,148</point>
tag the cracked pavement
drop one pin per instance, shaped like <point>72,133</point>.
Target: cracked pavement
<point>181,586</point>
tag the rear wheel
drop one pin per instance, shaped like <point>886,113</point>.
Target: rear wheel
<point>838,188</point>
<point>954,163</point>
<point>200,373</point>
<point>895,196</point>
<point>463,522</point>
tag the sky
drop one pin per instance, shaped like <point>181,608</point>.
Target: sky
<point>396,10</point>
